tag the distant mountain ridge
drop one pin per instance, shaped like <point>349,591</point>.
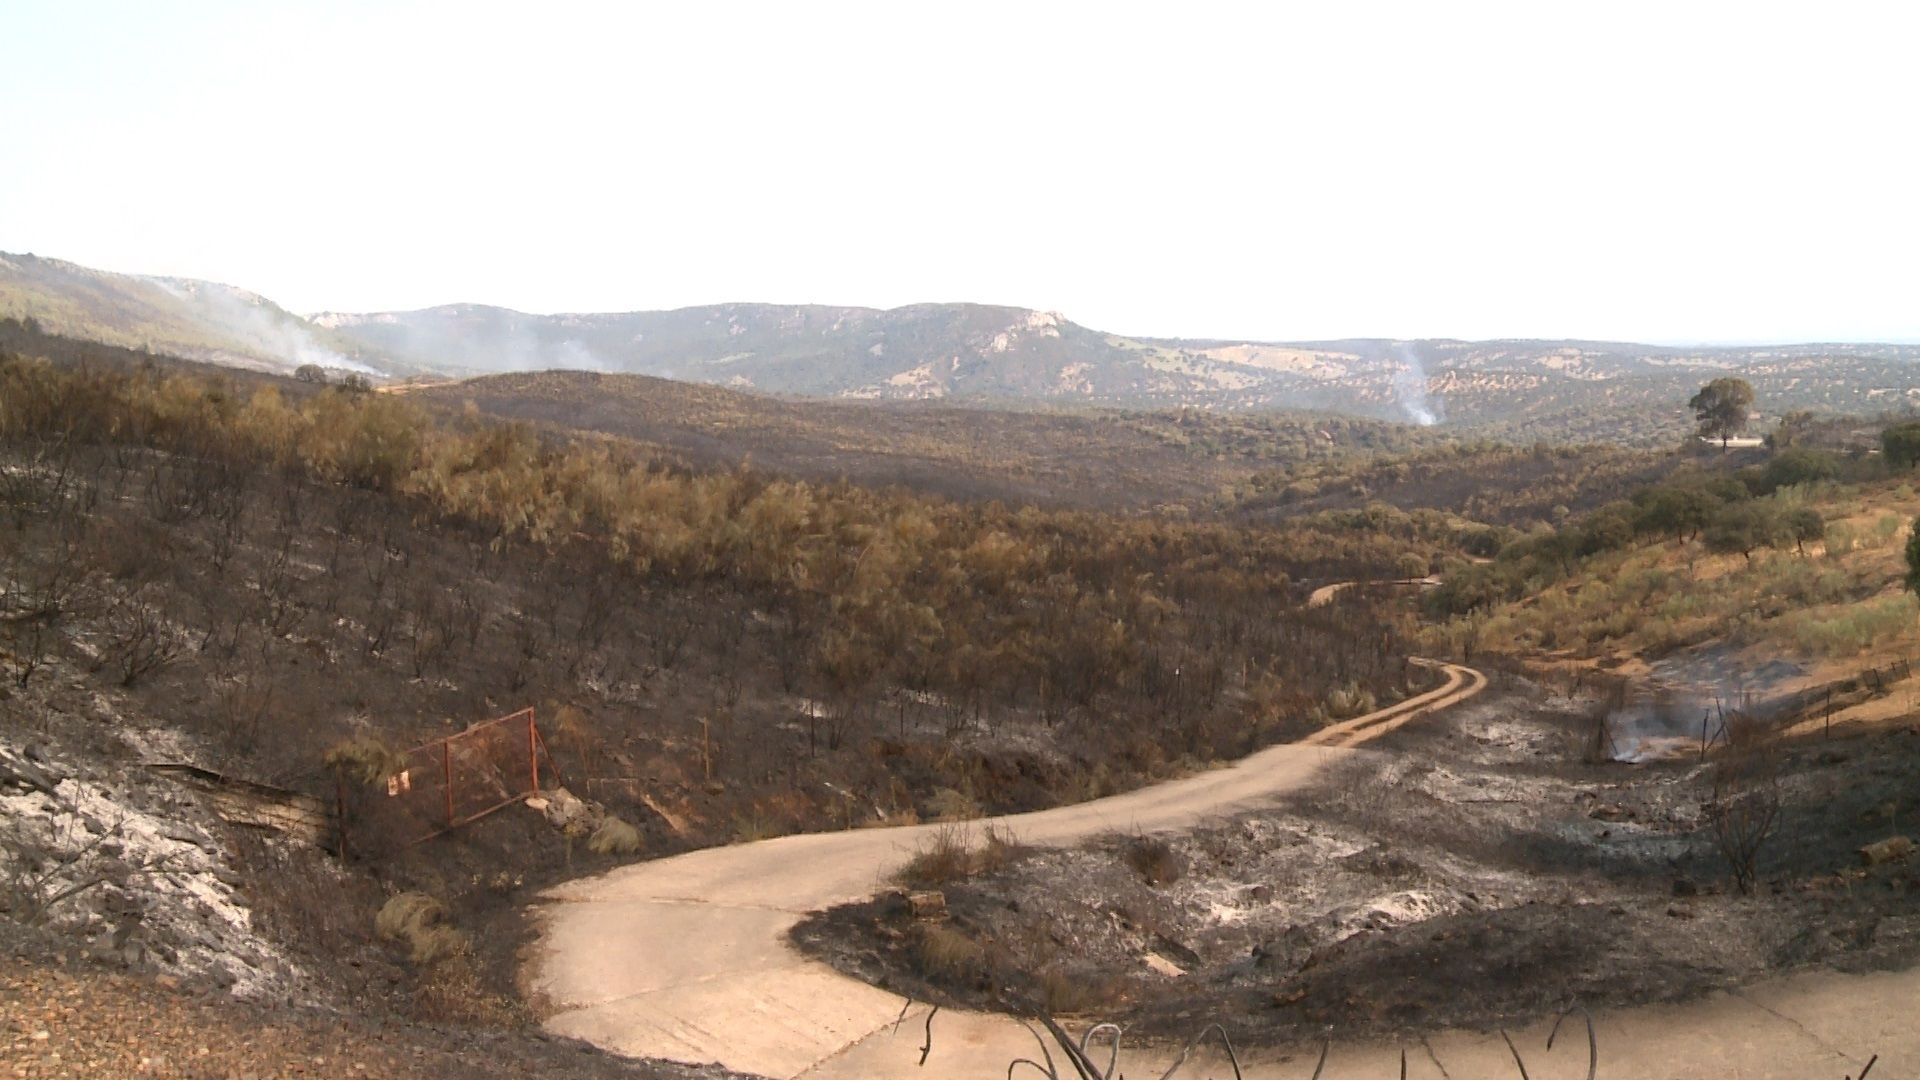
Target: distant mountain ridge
<point>973,353</point>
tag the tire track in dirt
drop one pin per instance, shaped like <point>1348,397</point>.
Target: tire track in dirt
<point>1461,683</point>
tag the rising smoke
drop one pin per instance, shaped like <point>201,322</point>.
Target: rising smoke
<point>571,355</point>
<point>474,340</point>
<point>1410,387</point>
<point>253,322</point>
<point>1685,700</point>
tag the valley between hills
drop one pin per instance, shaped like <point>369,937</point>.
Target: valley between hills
<point>1037,710</point>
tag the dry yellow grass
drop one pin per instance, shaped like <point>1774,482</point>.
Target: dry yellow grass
<point>946,952</point>
<point>408,915</point>
<point>951,854</point>
<point>449,987</point>
<point>614,837</point>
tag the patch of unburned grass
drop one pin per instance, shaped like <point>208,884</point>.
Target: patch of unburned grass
<point>952,854</point>
<point>1349,701</point>
<point>408,916</point>
<point>448,985</point>
<point>1065,993</point>
<point>614,837</point>
<point>753,827</point>
<point>946,804</point>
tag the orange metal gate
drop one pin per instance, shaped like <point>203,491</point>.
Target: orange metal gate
<point>449,782</point>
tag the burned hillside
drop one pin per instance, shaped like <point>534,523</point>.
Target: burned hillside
<point>257,576</point>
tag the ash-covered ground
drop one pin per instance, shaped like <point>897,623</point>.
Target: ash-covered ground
<point>1475,868</point>
<point>142,934</point>
<point>131,870</point>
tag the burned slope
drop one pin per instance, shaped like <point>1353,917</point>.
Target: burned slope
<point>289,586</point>
<point>1087,458</point>
<point>1481,870</point>
<point>1054,459</point>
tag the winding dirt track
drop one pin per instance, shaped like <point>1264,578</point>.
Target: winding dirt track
<point>1324,595</point>
<point>687,959</point>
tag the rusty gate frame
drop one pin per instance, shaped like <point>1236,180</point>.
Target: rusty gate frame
<point>536,745</point>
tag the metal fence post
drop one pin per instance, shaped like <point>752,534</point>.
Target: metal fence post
<point>340,810</point>
<point>446,764</point>
<point>533,752</point>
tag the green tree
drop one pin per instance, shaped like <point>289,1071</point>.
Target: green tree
<point>1805,525</point>
<point>1682,511</point>
<point>1722,406</point>
<point>1795,466</point>
<point>1793,428</point>
<point>1901,445</point>
<point>1743,528</point>
<point>1913,557</point>
<point>1607,529</point>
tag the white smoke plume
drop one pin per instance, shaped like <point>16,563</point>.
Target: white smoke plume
<point>250,320</point>
<point>1682,701</point>
<point>472,340</point>
<point>571,355</point>
<point>1410,387</point>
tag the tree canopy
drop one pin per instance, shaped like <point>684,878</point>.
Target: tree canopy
<point>1913,557</point>
<point>1901,445</point>
<point>1721,407</point>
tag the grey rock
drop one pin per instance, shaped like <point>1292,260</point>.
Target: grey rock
<point>19,772</point>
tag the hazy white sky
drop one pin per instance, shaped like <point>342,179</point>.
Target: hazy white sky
<point>1665,171</point>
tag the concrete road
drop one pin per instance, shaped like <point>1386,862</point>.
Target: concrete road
<point>687,959</point>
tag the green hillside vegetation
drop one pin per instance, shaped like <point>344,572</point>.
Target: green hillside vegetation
<point>1800,556</point>
<point>1479,479</point>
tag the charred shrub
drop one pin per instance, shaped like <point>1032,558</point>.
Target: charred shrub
<point>1154,859</point>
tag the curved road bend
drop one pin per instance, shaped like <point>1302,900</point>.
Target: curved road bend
<point>1324,595</point>
<point>686,958</point>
